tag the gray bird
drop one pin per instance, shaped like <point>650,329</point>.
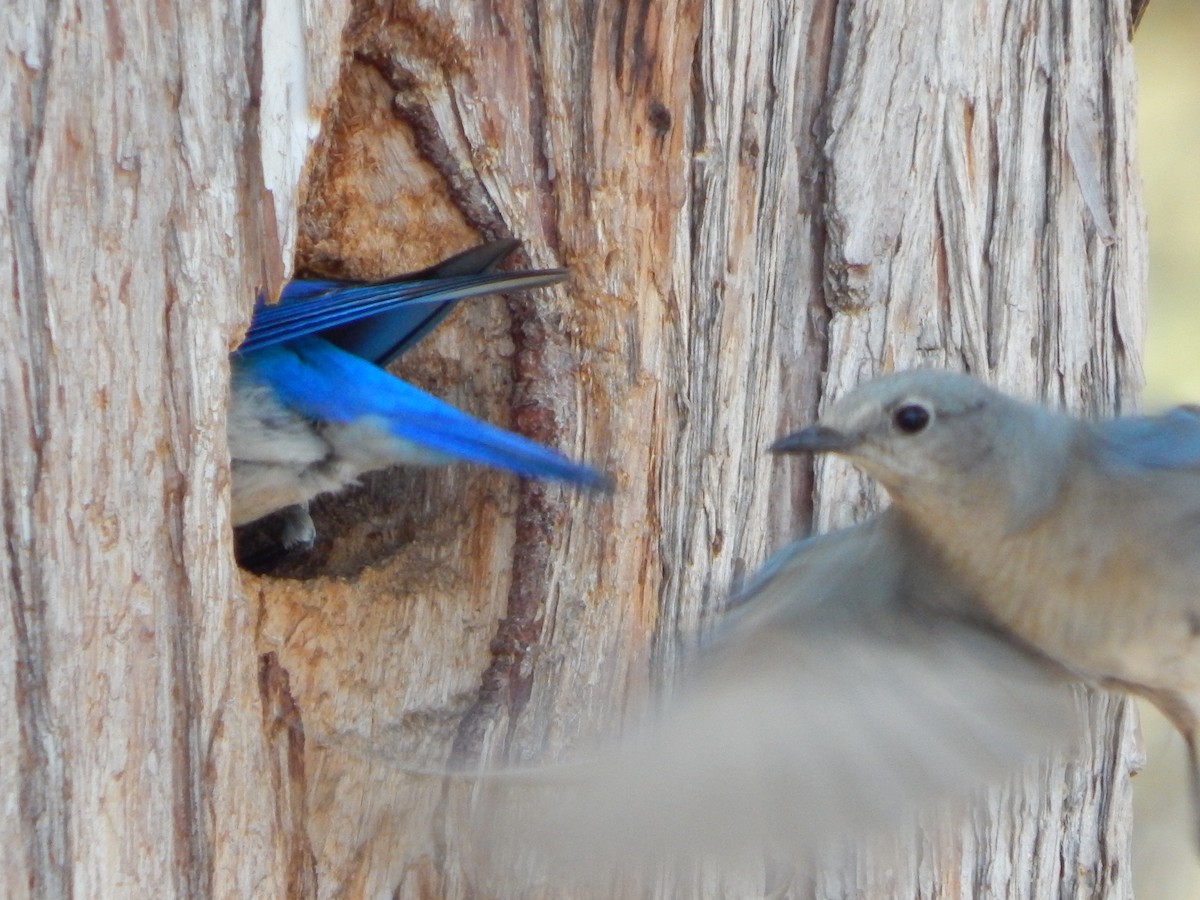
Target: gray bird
<point>1079,539</point>
<point>866,674</point>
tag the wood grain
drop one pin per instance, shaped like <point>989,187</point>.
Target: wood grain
<point>761,204</point>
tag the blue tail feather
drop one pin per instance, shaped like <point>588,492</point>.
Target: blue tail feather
<point>311,377</point>
<point>380,320</point>
<point>312,407</point>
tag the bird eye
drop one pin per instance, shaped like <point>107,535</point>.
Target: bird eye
<point>911,418</point>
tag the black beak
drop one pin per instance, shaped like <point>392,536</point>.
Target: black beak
<point>814,439</point>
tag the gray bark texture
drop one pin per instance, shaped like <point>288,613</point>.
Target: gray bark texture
<point>130,235</point>
<point>761,204</point>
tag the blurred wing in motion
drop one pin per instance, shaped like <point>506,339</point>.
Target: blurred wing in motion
<point>843,697</point>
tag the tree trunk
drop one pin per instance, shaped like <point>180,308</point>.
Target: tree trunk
<point>761,205</point>
<point>131,246</point>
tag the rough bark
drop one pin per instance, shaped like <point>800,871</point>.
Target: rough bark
<point>761,205</point>
<point>131,244</point>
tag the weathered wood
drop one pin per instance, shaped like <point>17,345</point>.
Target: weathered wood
<point>1018,250</point>
<point>131,246</point>
<point>761,203</point>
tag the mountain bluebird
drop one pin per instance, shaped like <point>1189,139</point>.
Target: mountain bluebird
<point>866,673</point>
<point>1080,540</point>
<point>312,407</point>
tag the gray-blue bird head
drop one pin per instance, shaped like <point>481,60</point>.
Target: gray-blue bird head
<point>942,440</point>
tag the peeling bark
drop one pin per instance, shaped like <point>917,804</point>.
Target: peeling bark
<point>762,204</point>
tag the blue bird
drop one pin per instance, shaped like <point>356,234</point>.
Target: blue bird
<point>312,407</point>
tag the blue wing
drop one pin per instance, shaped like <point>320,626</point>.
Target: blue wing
<point>1168,441</point>
<point>378,321</point>
<point>327,384</point>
